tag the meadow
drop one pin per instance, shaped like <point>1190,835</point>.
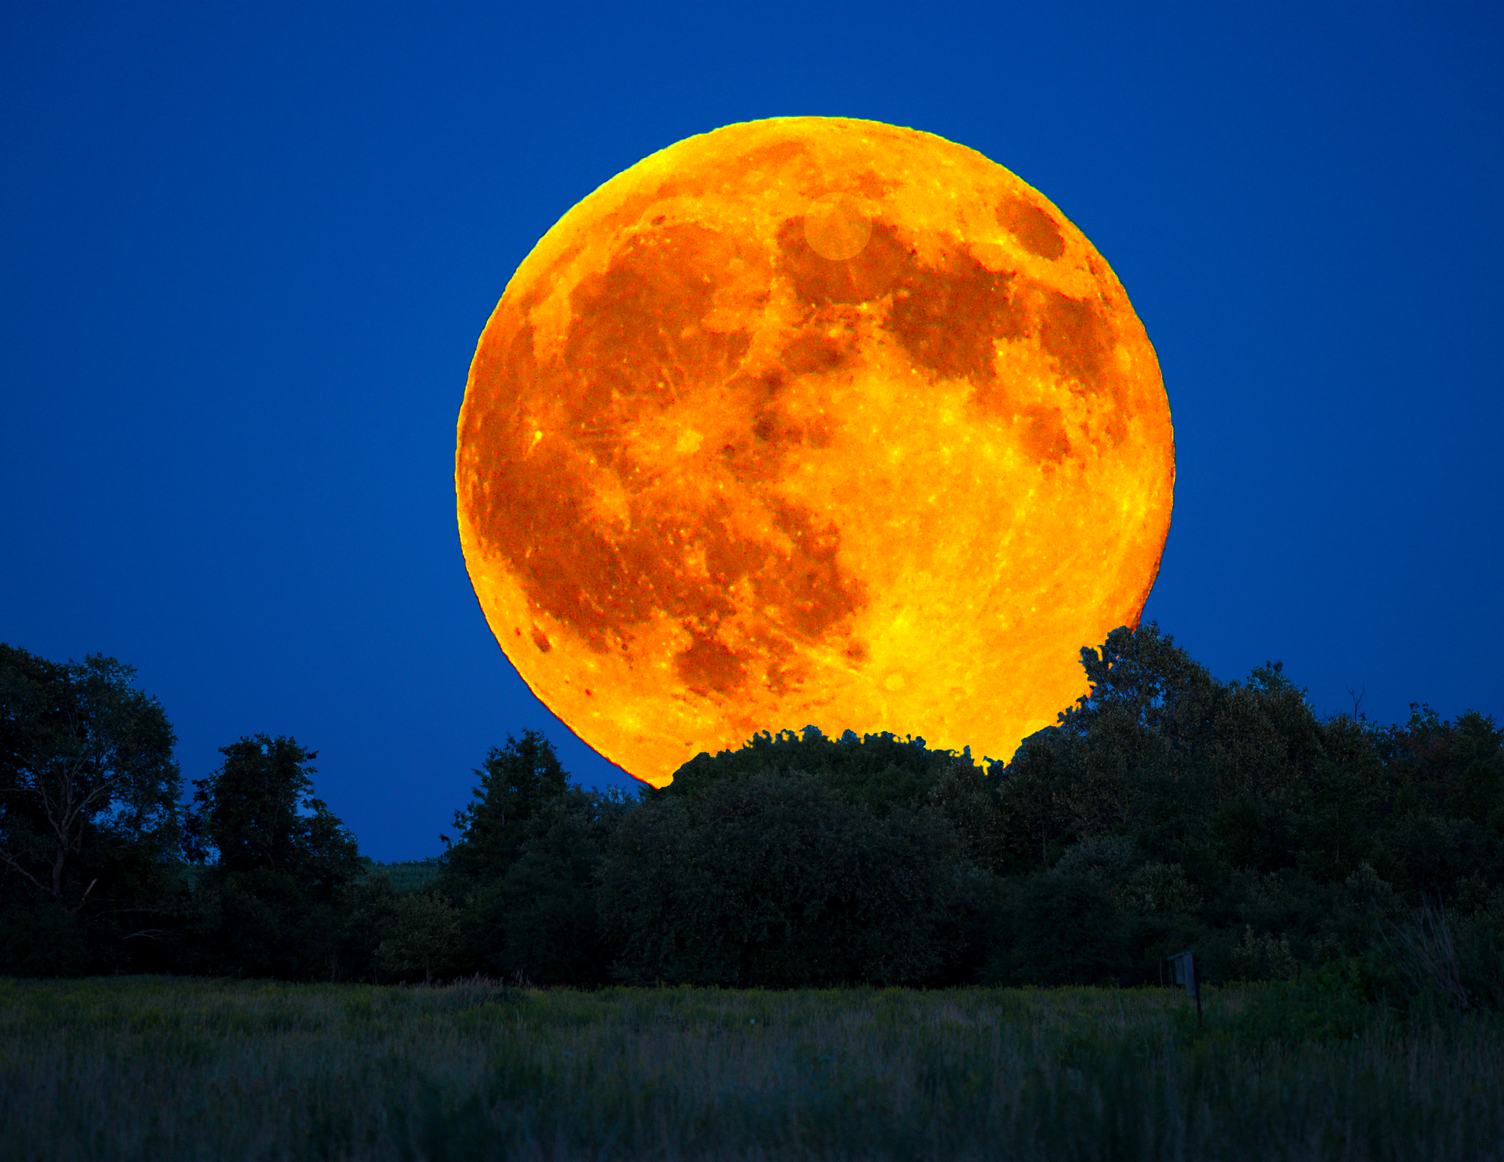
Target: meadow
<point>164,1068</point>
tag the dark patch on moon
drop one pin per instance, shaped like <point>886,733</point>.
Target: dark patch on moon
<point>815,351</point>
<point>868,275</point>
<point>1077,336</point>
<point>1081,340</point>
<point>540,639</point>
<point>541,430</point>
<point>758,454</point>
<point>808,584</point>
<point>1033,227</point>
<point>639,328</point>
<point>948,317</point>
<point>1042,433</point>
<point>709,666</point>
<point>872,184</point>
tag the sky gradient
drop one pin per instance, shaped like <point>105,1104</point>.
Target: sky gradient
<point>248,252</point>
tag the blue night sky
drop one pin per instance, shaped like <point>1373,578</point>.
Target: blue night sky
<point>248,250</point>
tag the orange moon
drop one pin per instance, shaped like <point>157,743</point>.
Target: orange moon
<point>811,421</point>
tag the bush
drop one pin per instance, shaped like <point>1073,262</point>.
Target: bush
<point>772,878</point>
<point>424,938</point>
<point>39,937</point>
<point>1331,1005</point>
<point>1434,960</point>
<point>1060,927</point>
<point>545,928</point>
<point>1263,956</point>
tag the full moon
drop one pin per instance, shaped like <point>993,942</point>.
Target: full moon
<point>811,421</point>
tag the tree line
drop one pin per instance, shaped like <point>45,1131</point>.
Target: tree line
<point>1167,810</point>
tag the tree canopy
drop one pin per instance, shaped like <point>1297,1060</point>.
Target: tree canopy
<point>1168,809</point>
<point>277,861</point>
<point>89,819</point>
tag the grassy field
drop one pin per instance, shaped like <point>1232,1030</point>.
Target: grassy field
<point>163,1069</point>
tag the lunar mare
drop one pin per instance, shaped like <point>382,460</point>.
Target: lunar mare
<point>811,421</point>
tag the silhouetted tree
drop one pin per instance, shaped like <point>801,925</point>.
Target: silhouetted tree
<point>548,929</point>
<point>278,862</point>
<point>878,770</point>
<point>523,867</point>
<point>366,910</point>
<point>1165,810</point>
<point>88,814</point>
<point>516,781</point>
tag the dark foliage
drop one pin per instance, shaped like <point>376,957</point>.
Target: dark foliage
<point>89,827</point>
<point>280,866</point>
<point>523,868</point>
<point>778,877</point>
<point>1167,810</point>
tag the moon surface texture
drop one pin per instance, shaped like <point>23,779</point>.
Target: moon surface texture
<point>811,421</point>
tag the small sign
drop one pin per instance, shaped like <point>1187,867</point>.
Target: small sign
<point>1185,974</point>
<point>1185,970</point>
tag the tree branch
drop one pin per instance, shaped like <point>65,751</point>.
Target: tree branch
<point>14,864</point>
<point>83,898</point>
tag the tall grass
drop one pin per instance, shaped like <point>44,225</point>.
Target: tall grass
<point>164,1068</point>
